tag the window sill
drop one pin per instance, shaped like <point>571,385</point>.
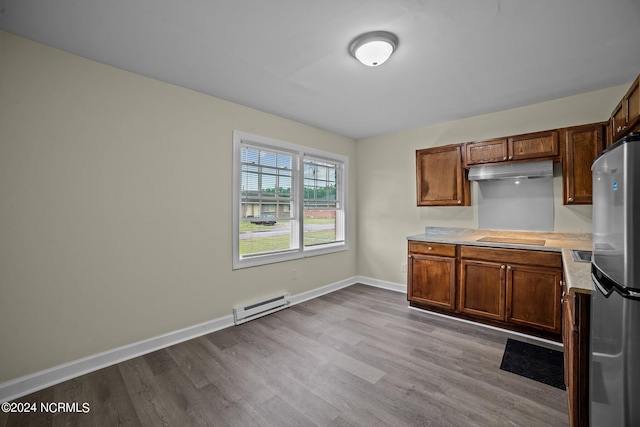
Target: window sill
<point>259,260</point>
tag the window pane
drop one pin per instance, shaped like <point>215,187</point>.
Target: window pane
<point>260,237</point>
<point>268,186</point>
<point>261,183</point>
<point>319,227</point>
<point>265,222</point>
<point>320,202</point>
<point>284,161</point>
<point>320,184</point>
<point>309,171</point>
<point>250,155</point>
<point>249,180</point>
<point>284,187</point>
<point>321,173</point>
<point>267,158</point>
<point>331,193</point>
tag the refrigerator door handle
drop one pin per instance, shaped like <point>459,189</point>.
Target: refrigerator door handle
<point>607,288</point>
<point>606,292</point>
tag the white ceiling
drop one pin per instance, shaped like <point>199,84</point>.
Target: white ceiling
<point>289,57</point>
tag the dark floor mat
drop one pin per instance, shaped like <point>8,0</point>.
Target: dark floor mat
<point>535,362</point>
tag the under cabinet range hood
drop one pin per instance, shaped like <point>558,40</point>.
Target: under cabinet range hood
<point>512,171</point>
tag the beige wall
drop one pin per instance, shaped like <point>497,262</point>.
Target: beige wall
<point>115,208</point>
<point>386,177</point>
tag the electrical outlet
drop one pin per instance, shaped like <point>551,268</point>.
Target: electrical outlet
<point>403,267</point>
<point>294,273</point>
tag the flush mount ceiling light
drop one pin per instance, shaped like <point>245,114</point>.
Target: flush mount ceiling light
<point>374,48</point>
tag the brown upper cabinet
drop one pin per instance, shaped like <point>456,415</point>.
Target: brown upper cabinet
<point>626,115</point>
<point>441,179</point>
<point>580,146</point>
<point>534,146</point>
<point>491,151</point>
<point>531,146</point>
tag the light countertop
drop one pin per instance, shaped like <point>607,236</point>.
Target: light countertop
<point>577,274</point>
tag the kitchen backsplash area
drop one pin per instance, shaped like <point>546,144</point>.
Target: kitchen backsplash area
<point>516,204</point>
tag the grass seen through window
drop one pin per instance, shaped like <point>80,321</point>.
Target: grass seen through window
<point>256,238</point>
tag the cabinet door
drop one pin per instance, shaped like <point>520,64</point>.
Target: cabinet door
<point>619,121</point>
<point>534,145</point>
<point>440,177</point>
<point>575,337</point>
<point>633,104</point>
<point>486,151</point>
<point>533,297</point>
<point>581,145</point>
<point>482,289</point>
<point>627,113</point>
<point>569,340</point>
<point>432,281</point>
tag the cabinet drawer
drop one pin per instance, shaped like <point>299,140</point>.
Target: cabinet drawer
<point>428,248</point>
<point>513,256</point>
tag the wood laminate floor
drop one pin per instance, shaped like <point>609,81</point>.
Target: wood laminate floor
<point>355,357</point>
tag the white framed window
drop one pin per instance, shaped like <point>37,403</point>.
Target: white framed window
<point>289,201</point>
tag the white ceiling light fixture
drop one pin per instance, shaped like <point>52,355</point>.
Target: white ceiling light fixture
<point>374,48</point>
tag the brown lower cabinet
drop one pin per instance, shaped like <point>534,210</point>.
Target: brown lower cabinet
<point>575,337</point>
<point>432,267</point>
<point>511,288</point>
<point>519,287</point>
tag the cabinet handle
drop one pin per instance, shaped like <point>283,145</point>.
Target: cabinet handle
<point>570,199</point>
<point>508,267</point>
<point>430,248</point>
<point>504,158</point>
<point>503,267</point>
<point>459,202</point>
<point>510,157</point>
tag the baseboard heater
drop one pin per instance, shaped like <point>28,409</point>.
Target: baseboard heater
<point>260,308</point>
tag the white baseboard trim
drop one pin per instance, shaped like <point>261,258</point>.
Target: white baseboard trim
<point>323,290</point>
<point>396,287</point>
<point>39,380</point>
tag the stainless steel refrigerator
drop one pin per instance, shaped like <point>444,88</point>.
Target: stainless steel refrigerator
<point>615,300</point>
